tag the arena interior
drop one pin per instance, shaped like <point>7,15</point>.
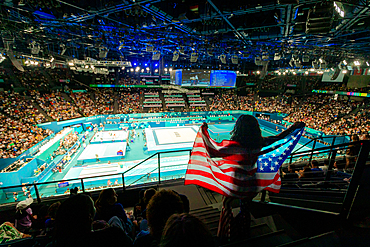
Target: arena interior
<point>109,95</point>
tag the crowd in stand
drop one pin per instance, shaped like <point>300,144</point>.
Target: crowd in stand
<point>357,123</point>
<point>224,102</point>
<point>273,104</point>
<point>128,102</point>
<point>104,101</point>
<point>320,112</point>
<point>17,136</point>
<point>197,108</point>
<point>56,106</point>
<point>84,102</point>
<point>16,106</point>
<point>160,218</point>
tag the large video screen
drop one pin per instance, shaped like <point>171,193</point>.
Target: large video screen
<point>176,77</point>
<point>203,78</point>
<point>223,78</point>
<point>195,78</point>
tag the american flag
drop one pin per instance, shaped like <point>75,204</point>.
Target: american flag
<point>227,169</point>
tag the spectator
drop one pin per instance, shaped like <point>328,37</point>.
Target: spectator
<point>74,223</point>
<point>107,207</point>
<point>352,152</point>
<point>50,222</point>
<point>24,216</point>
<point>162,205</point>
<point>315,166</point>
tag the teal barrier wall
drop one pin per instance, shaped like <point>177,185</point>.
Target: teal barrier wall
<point>15,178</point>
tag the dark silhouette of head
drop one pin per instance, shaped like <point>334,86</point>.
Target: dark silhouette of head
<point>148,194</point>
<point>247,132</point>
<point>314,164</point>
<point>183,230</point>
<point>162,205</point>
<point>73,219</point>
<point>106,198</point>
<point>355,138</point>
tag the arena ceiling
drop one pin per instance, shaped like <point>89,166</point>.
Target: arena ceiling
<point>133,29</point>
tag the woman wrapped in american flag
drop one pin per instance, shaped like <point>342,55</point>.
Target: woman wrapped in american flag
<point>240,168</point>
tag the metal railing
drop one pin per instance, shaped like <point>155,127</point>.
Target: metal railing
<point>359,167</point>
<point>35,187</point>
<point>314,141</point>
<point>325,183</point>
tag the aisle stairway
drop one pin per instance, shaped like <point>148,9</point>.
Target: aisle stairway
<point>163,101</point>
<point>47,75</point>
<point>141,101</point>
<point>70,100</point>
<point>12,77</point>
<point>37,106</point>
<point>186,102</point>
<point>115,103</point>
<point>271,231</point>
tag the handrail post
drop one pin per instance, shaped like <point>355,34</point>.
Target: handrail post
<point>159,168</point>
<point>263,196</point>
<point>37,193</point>
<point>333,155</point>
<point>353,186</point>
<point>123,182</point>
<point>82,185</point>
<point>331,149</point>
<point>313,147</point>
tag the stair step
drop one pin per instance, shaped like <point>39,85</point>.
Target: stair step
<point>269,239</point>
<point>207,212</point>
<point>255,230</point>
<point>329,239</point>
<point>197,210</point>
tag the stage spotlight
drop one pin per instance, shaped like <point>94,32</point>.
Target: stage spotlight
<point>315,64</point>
<point>176,56</point>
<point>149,48</point>
<point>64,49</point>
<point>258,61</point>
<point>223,58</point>
<point>35,48</point>
<point>277,56</point>
<point>156,55</point>
<point>234,59</point>
<point>194,57</point>
<point>103,52</point>
<point>305,58</point>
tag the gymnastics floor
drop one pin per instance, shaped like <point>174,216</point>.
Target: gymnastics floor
<point>109,136</point>
<point>105,151</point>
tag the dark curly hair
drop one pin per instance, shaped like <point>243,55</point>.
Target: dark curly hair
<point>247,132</point>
